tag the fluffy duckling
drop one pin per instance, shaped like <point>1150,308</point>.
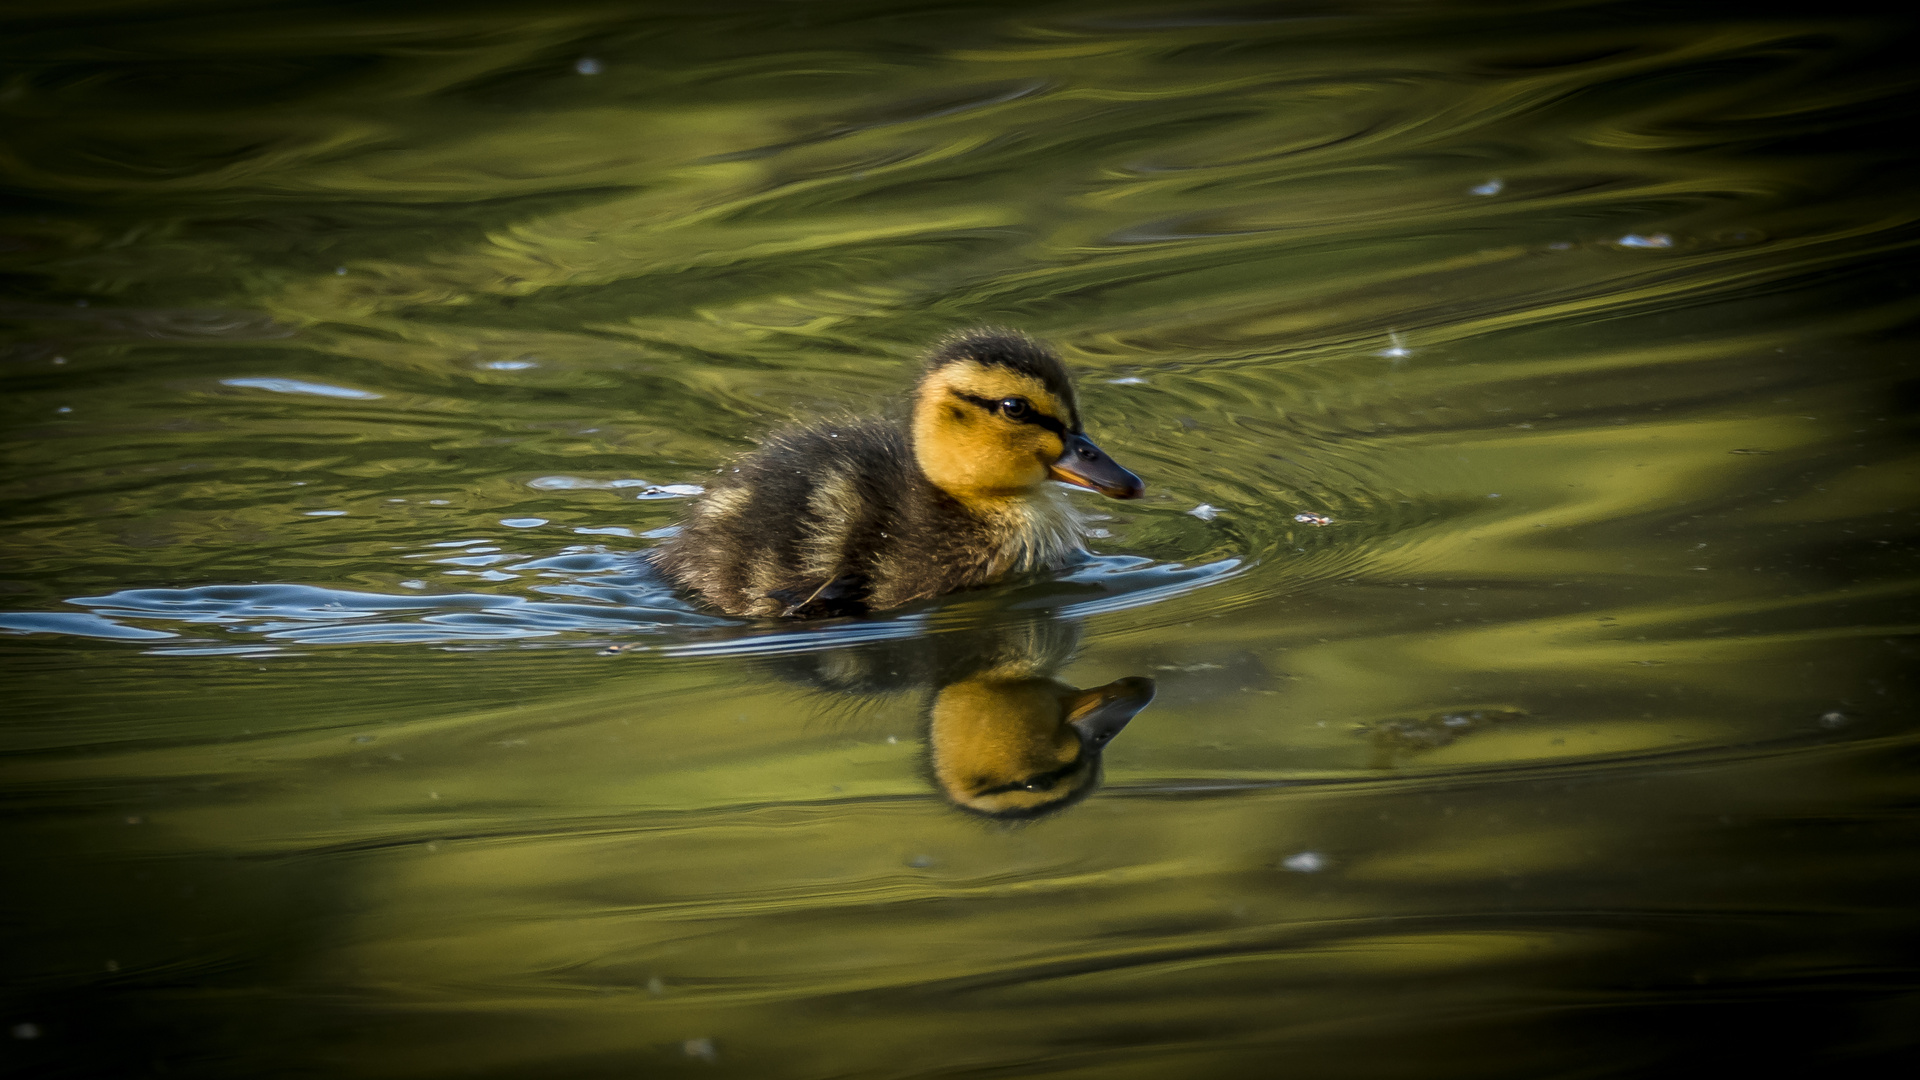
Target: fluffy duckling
<point>844,518</point>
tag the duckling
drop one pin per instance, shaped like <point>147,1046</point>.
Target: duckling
<point>845,518</point>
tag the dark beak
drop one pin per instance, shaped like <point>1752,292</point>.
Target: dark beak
<point>1099,714</point>
<point>1086,465</point>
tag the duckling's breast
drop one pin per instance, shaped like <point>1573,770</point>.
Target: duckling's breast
<point>1040,532</point>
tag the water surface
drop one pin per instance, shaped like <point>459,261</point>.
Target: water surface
<point>1526,397</point>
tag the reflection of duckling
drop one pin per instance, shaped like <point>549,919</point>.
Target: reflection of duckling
<point>1023,747</point>
<point>1005,739</point>
<point>838,519</point>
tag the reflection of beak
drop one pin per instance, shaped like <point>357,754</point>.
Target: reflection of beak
<point>1099,714</point>
<point>1086,465</point>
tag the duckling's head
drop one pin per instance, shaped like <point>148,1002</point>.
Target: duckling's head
<point>994,417</point>
<point>1022,747</point>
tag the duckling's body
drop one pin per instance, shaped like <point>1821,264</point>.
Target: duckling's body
<point>837,519</point>
<point>842,518</point>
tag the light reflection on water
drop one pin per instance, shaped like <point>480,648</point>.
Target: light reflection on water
<point>1527,578</point>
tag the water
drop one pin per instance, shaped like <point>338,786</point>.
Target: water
<point>1527,576</point>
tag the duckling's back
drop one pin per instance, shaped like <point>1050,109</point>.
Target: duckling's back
<point>800,527</point>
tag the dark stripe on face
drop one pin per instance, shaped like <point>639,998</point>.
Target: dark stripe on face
<point>1036,417</point>
<point>1045,781</point>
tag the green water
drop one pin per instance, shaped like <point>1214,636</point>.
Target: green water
<point>1527,400</point>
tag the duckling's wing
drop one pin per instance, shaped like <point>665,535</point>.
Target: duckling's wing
<point>795,529</point>
<point>842,595</point>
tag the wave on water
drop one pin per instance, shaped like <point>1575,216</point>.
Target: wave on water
<point>602,598</point>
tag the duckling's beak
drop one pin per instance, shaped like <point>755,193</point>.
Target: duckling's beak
<point>1086,465</point>
<point>1099,714</point>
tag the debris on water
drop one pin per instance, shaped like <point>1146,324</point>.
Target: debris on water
<point>920,862</point>
<point>1205,512</point>
<point>1651,240</point>
<point>1835,719</point>
<point>587,65</point>
<point>670,491</point>
<point>1394,738</point>
<point>1306,862</point>
<point>702,1049</point>
<point>1396,347</point>
<point>1491,187</point>
<point>340,271</point>
<point>1309,518</point>
<point>64,409</point>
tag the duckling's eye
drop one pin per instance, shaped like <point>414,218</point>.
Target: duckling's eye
<point>1015,408</point>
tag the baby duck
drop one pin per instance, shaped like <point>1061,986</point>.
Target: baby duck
<point>845,518</point>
